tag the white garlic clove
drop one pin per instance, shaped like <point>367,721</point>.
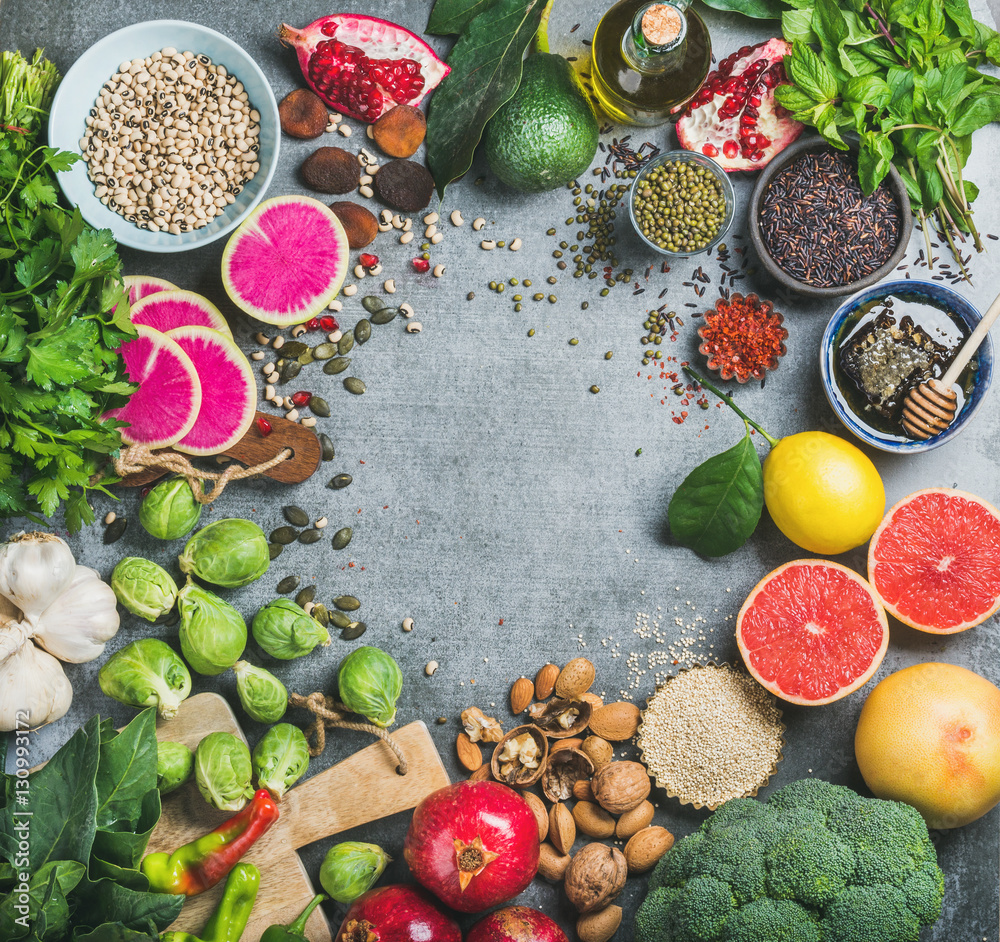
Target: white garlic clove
<point>35,569</point>
<point>8,611</point>
<point>77,624</point>
<point>34,689</point>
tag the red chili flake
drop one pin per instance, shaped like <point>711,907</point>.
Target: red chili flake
<point>421,264</point>
<point>329,323</point>
<point>263,426</point>
<point>301,398</point>
<point>501,621</point>
<point>743,337</point>
<point>350,565</point>
<point>312,324</point>
<point>368,260</point>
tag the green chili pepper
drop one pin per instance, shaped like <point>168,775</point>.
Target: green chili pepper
<point>233,912</point>
<point>294,931</point>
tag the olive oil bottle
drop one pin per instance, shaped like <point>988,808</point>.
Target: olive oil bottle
<point>649,59</point>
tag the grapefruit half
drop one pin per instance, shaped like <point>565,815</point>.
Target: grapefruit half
<point>812,632</point>
<point>934,561</point>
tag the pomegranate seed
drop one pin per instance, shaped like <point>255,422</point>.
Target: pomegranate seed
<point>301,398</point>
<point>730,149</point>
<point>710,150</point>
<point>263,426</point>
<point>328,323</point>
<point>421,264</point>
<point>368,260</point>
<point>312,324</point>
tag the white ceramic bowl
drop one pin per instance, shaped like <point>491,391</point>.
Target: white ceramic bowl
<point>79,90</point>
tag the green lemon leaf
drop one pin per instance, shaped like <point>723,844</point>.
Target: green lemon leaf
<point>718,505</point>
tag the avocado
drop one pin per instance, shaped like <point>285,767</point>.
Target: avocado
<point>546,135</point>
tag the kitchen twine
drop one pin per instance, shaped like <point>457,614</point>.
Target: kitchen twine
<point>331,714</point>
<point>136,458</point>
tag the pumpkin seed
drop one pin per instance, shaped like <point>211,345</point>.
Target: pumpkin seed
<point>274,551</point>
<point>336,366</point>
<point>345,344</point>
<point>305,596</point>
<point>339,619</point>
<point>342,537</point>
<point>289,371</point>
<point>288,584</point>
<point>305,359</point>
<point>326,443</point>
<point>310,536</point>
<point>324,351</point>
<point>338,481</point>
<point>347,603</point>
<point>371,303</point>
<point>363,330</point>
<point>319,407</point>
<point>293,349</point>
<point>354,630</point>
<point>284,535</point>
<point>321,614</point>
<point>384,316</point>
<point>296,516</point>
<point>115,530</point>
<point>354,385</point>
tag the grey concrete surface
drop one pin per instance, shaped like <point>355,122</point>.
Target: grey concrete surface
<point>496,500</point>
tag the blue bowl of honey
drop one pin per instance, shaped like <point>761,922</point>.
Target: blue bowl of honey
<point>889,338</point>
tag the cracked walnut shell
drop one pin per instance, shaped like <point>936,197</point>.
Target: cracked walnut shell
<point>520,757</point>
<point>561,719</point>
<point>480,727</point>
<point>565,768</point>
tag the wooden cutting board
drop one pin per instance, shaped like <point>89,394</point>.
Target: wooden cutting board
<point>362,788</point>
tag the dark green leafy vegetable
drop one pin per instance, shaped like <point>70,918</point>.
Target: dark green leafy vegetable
<point>63,316</point>
<point>758,9</point>
<point>450,17</point>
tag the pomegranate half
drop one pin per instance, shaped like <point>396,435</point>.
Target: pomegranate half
<point>397,913</point>
<point>473,845</point>
<point>734,118</point>
<point>363,66</point>
<point>516,924</point>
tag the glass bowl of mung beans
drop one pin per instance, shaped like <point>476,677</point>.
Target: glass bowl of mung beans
<point>681,204</point>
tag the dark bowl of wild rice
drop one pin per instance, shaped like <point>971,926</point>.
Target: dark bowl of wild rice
<point>815,230</point>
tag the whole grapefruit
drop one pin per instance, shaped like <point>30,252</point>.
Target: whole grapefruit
<point>929,735</point>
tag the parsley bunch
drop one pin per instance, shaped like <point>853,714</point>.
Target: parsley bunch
<point>63,316</point>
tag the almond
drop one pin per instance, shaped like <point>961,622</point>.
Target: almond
<point>635,820</point>
<point>520,695</point>
<point>598,750</point>
<point>483,774</point>
<point>469,754</point>
<point>595,701</point>
<point>646,847</point>
<point>551,864</point>
<point>592,820</point>
<point>615,721</point>
<point>537,807</point>
<point>575,679</point>
<point>582,790</point>
<point>621,786</point>
<point>599,926</point>
<point>562,828</point>
<point>561,744</point>
<point>545,681</point>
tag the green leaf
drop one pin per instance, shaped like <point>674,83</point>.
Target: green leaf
<point>105,900</point>
<point>796,26</point>
<point>37,192</point>
<point>868,90</point>
<point>127,773</point>
<point>485,72</point>
<point>931,185</point>
<point>49,915</point>
<point>976,113</point>
<point>114,932</point>
<point>874,160</point>
<point>793,98</point>
<point>63,358</point>
<point>718,505</point>
<point>757,9</point>
<point>450,17</point>
<point>810,73</point>
<point>38,263</point>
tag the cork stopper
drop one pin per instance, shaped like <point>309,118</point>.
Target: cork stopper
<point>661,24</point>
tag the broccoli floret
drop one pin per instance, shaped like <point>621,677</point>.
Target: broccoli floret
<point>773,920</point>
<point>816,863</point>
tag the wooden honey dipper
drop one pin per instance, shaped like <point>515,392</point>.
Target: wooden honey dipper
<point>930,407</point>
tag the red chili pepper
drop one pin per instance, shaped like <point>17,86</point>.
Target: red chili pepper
<point>195,867</point>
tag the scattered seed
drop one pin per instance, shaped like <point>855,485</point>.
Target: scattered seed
<point>349,291</point>
<point>296,516</point>
<point>340,481</point>
<point>115,530</point>
<point>342,537</point>
<point>515,246</point>
<point>366,191</point>
<point>308,607</point>
<point>340,620</point>
<point>285,535</point>
<point>406,238</point>
<point>414,327</point>
<point>431,667</point>
<point>407,624</point>
<point>298,330</point>
<point>262,338</point>
<point>344,129</point>
<point>288,584</point>
<point>326,444</point>
<point>363,330</point>
<point>308,537</point>
<point>110,518</point>
<point>406,309</point>
<point>324,351</point>
<point>488,244</point>
<point>274,550</point>
<point>372,303</point>
<point>308,422</point>
<point>321,523</point>
<point>456,218</point>
<point>321,614</point>
<point>332,367</point>
<point>354,630</point>
<point>257,355</point>
<point>385,316</point>
<point>354,385</point>
<point>390,286</point>
<point>608,355</point>
<point>345,344</point>
<point>573,341</point>
<point>438,271</point>
<point>292,415</point>
<point>347,603</point>
<point>305,595</point>
<point>595,389</point>
<point>478,223</point>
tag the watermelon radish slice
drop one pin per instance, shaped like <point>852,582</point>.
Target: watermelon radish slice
<point>164,407</point>
<point>228,391</point>
<point>141,286</point>
<point>286,261</point>
<point>168,310</point>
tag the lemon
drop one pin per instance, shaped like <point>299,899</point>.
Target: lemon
<point>823,493</point>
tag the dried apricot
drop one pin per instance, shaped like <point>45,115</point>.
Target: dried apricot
<point>331,170</point>
<point>405,185</point>
<point>360,225</point>
<point>400,131</point>
<point>302,114</point>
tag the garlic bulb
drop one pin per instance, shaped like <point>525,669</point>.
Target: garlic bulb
<point>34,689</point>
<point>35,568</point>
<point>76,625</point>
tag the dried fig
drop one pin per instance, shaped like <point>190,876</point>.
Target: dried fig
<point>302,114</point>
<point>405,185</point>
<point>400,131</point>
<point>564,769</point>
<point>331,170</point>
<point>360,225</point>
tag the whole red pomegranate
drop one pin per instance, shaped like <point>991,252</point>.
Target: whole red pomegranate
<point>516,924</point>
<point>363,66</point>
<point>473,844</point>
<point>734,118</point>
<point>397,913</point>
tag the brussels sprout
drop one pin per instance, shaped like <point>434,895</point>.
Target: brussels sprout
<point>213,634</point>
<point>351,869</point>
<point>263,696</point>
<point>281,758</point>
<point>147,673</point>
<point>143,587</point>
<point>370,683</point>
<point>223,771</point>
<point>169,510</point>
<point>174,763</point>
<point>285,631</point>
<point>229,553</point>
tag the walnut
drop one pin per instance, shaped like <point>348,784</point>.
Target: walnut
<point>481,728</point>
<point>520,757</point>
<point>621,786</point>
<point>566,767</point>
<point>595,877</point>
<point>561,719</point>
